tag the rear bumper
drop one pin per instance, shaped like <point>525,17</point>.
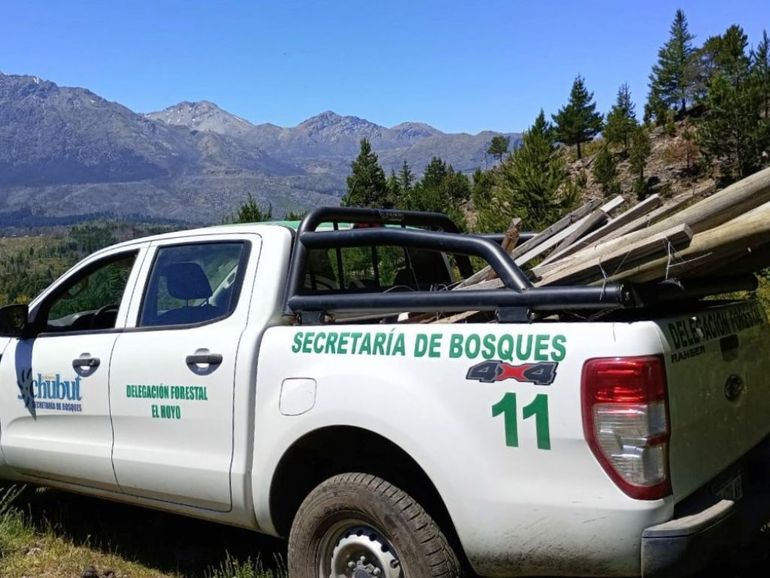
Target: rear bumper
<point>706,526</point>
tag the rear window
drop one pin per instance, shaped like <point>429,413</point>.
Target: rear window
<point>375,269</point>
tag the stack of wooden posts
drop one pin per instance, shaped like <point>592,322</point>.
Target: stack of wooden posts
<point>693,235</point>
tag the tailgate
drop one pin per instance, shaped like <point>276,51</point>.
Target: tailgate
<point>718,369</point>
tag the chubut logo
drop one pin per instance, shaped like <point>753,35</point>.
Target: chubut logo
<point>55,388</point>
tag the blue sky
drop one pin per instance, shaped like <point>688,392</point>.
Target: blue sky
<point>458,65</point>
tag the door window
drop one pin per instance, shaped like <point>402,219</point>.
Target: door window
<point>90,299</point>
<point>192,284</point>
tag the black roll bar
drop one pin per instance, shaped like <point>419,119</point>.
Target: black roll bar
<point>518,295</point>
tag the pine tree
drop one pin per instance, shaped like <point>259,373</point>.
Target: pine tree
<point>727,55</point>
<point>578,121</point>
<point>605,171</point>
<point>251,212</point>
<point>655,109</point>
<point>442,189</point>
<point>527,185</point>
<point>367,186</point>
<point>621,120</point>
<point>734,134</point>
<point>498,147</point>
<point>638,153</point>
<point>673,78</point>
<point>761,70</point>
<point>405,178</point>
<point>394,189</point>
<point>481,188</point>
<point>294,215</point>
<point>544,128</point>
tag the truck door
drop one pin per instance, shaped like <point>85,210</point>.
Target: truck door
<point>172,376</point>
<point>54,399</point>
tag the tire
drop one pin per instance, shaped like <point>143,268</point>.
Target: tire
<point>353,515</point>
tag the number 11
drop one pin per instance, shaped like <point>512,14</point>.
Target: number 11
<point>539,408</point>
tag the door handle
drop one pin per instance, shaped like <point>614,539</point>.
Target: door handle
<point>204,359</point>
<point>85,364</point>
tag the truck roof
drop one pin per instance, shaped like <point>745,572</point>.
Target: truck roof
<point>226,228</point>
<point>211,230</point>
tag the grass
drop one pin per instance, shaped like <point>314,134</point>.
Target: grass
<point>52,534</point>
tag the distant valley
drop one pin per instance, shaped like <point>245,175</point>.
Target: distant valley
<point>66,155</point>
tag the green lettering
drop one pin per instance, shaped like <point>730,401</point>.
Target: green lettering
<point>435,345</point>
<point>366,344</point>
<point>505,347</point>
<point>455,345</point>
<point>507,407</point>
<point>318,342</point>
<point>520,353</point>
<point>488,351</point>
<point>559,348</point>
<point>400,347</point>
<point>472,346</point>
<point>307,342</point>
<point>420,345</point>
<point>297,345</point>
<point>379,343</point>
<point>342,346</point>
<point>331,343</point>
<point>539,408</point>
<point>355,336</point>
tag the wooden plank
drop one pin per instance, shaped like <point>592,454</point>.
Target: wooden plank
<point>456,318</point>
<point>709,250</point>
<point>640,223</point>
<point>558,226</point>
<point>554,240</point>
<point>604,266</point>
<point>711,212</point>
<point>592,222</point>
<point>667,209</point>
<point>508,244</point>
<point>489,284</point>
<point>647,205</point>
<point>549,243</point>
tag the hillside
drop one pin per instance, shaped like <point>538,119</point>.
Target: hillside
<point>67,154</point>
<point>675,165</point>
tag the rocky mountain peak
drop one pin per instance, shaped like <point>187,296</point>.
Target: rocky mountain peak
<point>415,130</point>
<point>201,115</point>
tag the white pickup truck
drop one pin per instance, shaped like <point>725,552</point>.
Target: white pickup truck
<point>273,378</point>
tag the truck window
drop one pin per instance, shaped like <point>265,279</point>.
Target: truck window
<point>192,284</point>
<point>91,299</point>
<point>377,269</point>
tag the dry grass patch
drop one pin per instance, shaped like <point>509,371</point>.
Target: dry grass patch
<point>50,534</point>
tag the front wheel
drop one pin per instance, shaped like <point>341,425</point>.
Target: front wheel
<point>360,526</point>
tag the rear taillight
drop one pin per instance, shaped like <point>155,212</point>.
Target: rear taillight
<point>625,421</point>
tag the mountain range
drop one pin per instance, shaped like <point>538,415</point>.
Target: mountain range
<point>68,154</point>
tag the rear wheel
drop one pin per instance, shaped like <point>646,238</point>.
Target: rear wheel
<point>360,526</point>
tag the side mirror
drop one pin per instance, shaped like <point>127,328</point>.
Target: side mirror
<point>14,321</point>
